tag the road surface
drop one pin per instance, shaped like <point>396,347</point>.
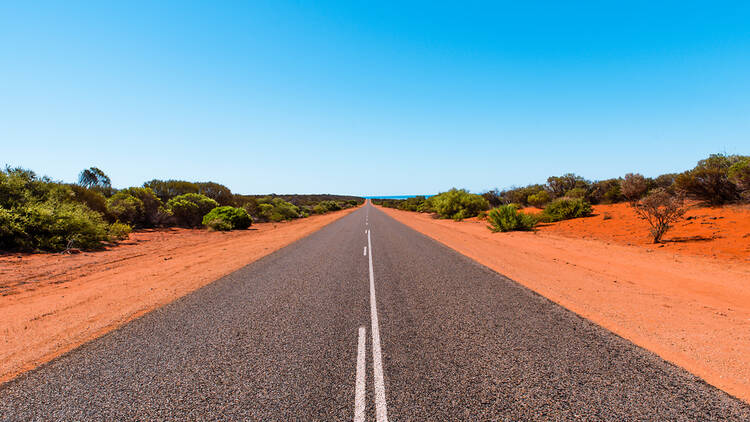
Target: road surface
<point>365,319</point>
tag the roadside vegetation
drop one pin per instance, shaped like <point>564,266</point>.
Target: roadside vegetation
<point>715,181</point>
<point>40,214</point>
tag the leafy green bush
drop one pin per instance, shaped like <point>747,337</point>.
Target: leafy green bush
<point>412,204</point>
<point>92,198</point>
<point>605,192</point>
<point>168,189</point>
<point>118,231</point>
<point>125,207</point>
<point>580,193</point>
<point>517,195</point>
<point>458,204</point>
<point>217,224</point>
<point>189,209</point>
<point>539,199</point>
<point>709,180</point>
<point>508,218</point>
<point>327,206</point>
<point>272,209</point>
<point>561,185</point>
<point>739,174</point>
<point>54,226</point>
<point>565,209</point>
<point>38,214</point>
<point>227,218</point>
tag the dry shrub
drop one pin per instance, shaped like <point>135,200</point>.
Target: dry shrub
<point>660,209</point>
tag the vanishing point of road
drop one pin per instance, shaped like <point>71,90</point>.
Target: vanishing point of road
<point>364,320</point>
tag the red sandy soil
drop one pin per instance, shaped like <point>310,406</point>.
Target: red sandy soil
<point>722,233</point>
<point>688,301</point>
<point>52,303</point>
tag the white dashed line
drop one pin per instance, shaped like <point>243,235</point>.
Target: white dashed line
<point>381,410</point>
<point>359,389</point>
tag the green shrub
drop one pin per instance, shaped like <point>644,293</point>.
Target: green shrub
<point>539,199</point>
<point>412,204</point>
<point>605,192</point>
<point>580,193</point>
<point>561,185</point>
<point>227,218</point>
<point>739,174</point>
<point>273,209</point>
<point>517,195</point>
<point>508,218</point>
<point>125,208</point>
<point>217,224</point>
<point>189,209</point>
<point>54,226</point>
<point>12,233</point>
<point>38,214</point>
<point>217,192</point>
<point>458,204</point>
<point>92,198</point>
<point>328,206</point>
<point>168,189</point>
<point>118,231</point>
<point>709,180</point>
<point>565,209</point>
<point>153,212</point>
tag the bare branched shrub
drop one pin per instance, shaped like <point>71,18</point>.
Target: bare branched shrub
<point>633,187</point>
<point>660,209</point>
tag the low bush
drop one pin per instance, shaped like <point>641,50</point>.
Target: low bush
<point>580,193</point>
<point>660,209</point>
<point>273,209</point>
<point>458,204</point>
<point>508,218</point>
<point>327,206</point>
<point>539,199</point>
<point>38,214</point>
<point>118,231</point>
<point>559,186</point>
<point>125,208</point>
<point>55,226</point>
<point>709,180</point>
<point>565,209</point>
<point>739,174</point>
<point>189,209</point>
<point>605,192</point>
<point>227,218</point>
<point>92,198</point>
<point>634,186</point>
<point>519,195</point>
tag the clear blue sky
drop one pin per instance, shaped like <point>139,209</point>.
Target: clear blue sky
<point>371,97</point>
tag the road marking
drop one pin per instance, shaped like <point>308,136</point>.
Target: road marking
<point>381,410</point>
<point>359,389</point>
<point>365,253</point>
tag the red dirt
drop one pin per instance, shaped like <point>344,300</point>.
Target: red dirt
<point>51,303</point>
<point>688,301</point>
<point>722,233</point>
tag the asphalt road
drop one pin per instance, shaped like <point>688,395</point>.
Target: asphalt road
<point>294,336</point>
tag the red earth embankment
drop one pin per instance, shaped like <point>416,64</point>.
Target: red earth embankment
<point>687,301</point>
<point>51,303</point>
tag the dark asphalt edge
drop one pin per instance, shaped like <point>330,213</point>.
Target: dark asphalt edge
<point>600,329</point>
<point>89,343</point>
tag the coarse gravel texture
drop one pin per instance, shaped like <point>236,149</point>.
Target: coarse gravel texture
<point>277,340</point>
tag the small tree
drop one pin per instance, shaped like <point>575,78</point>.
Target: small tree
<point>93,177</point>
<point>660,209</point>
<point>633,187</point>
